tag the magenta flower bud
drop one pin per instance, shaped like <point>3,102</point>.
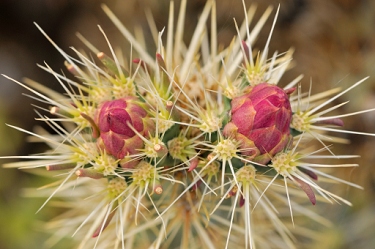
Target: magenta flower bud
<point>116,136</point>
<point>260,121</point>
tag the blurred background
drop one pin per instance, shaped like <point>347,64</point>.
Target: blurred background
<point>334,43</point>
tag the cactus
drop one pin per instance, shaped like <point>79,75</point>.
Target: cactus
<point>166,149</point>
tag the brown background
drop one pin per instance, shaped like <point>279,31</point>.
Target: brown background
<point>335,46</point>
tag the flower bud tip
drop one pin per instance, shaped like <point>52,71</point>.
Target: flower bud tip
<point>193,164</point>
<point>160,61</point>
<point>54,110</point>
<point>100,55</point>
<point>59,167</point>
<point>289,90</point>
<point>158,190</point>
<point>88,173</point>
<point>71,68</point>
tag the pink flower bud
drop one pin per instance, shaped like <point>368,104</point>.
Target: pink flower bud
<point>113,119</point>
<point>260,121</point>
